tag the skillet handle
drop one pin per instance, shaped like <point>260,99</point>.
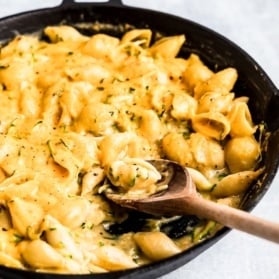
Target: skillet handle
<point>70,3</point>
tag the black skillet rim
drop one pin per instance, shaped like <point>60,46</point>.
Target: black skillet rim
<point>156,269</point>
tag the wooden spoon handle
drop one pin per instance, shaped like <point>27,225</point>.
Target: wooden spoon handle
<point>231,217</point>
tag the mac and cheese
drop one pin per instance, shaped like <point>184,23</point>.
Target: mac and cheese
<point>78,110</point>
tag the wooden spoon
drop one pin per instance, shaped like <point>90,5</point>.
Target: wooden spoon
<point>181,198</point>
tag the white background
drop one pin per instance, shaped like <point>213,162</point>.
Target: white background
<point>254,26</point>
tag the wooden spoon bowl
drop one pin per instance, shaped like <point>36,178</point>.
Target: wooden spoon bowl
<point>181,198</point>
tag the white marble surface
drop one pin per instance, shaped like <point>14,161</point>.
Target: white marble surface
<point>253,25</point>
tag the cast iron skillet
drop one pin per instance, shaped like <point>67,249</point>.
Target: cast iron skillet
<point>216,51</point>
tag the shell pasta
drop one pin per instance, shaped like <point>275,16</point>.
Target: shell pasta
<point>81,112</point>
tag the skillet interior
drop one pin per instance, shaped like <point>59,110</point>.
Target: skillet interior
<point>216,51</point>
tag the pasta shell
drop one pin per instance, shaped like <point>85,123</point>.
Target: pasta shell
<point>8,243</point>
<point>26,216</point>
<point>39,254</point>
<point>202,183</point>
<point>235,184</point>
<point>211,124</point>
<point>196,72</point>
<point>19,72</point>
<point>91,179</point>
<point>73,98</point>
<point>167,47</point>
<point>141,36</point>
<point>242,153</point>
<point>58,236</point>
<point>118,146</point>
<point>177,148</point>
<point>222,81</point>
<point>135,176</point>
<point>207,153</point>
<point>5,219</point>
<point>112,258</point>
<point>184,106</point>
<point>10,187</point>
<point>9,261</point>
<point>71,212</point>
<point>98,120</point>
<point>215,101</point>
<point>241,120</point>
<point>150,126</point>
<point>156,245</point>
<point>20,44</point>
<point>101,46</point>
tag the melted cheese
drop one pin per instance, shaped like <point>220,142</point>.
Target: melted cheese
<point>74,111</point>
